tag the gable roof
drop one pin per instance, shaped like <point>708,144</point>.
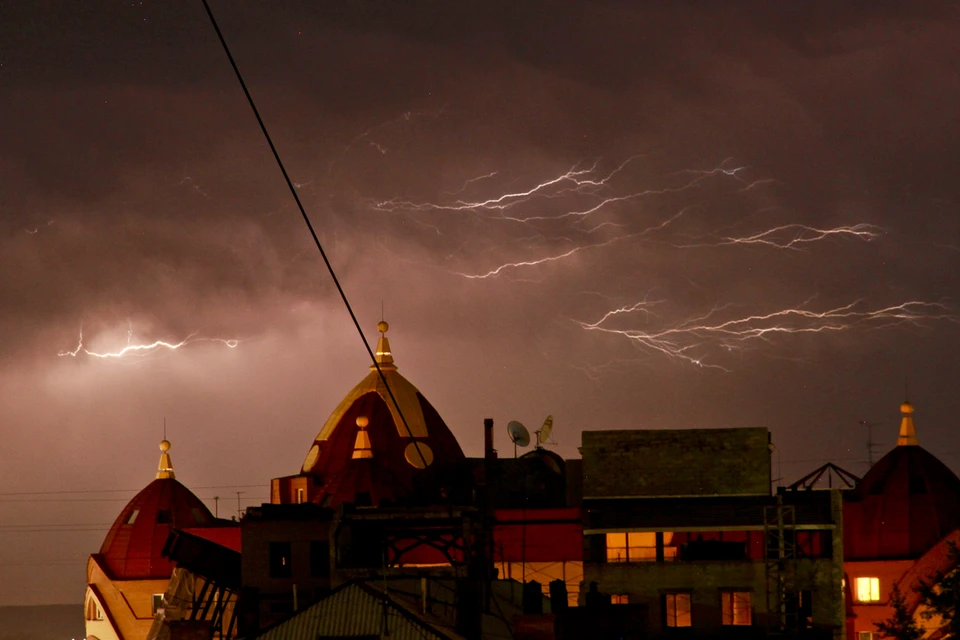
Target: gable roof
<point>353,610</point>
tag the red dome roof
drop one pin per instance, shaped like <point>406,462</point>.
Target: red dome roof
<point>905,504</point>
<point>132,548</point>
<point>366,453</point>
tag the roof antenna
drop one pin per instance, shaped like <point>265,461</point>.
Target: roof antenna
<point>164,427</point>
<point>381,311</point>
<point>906,387</point>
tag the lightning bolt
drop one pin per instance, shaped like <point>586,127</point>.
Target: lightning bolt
<point>571,197</point>
<point>143,349</point>
<point>690,339</point>
<point>793,236</point>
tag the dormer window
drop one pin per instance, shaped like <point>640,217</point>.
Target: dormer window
<point>164,516</point>
<point>132,517</point>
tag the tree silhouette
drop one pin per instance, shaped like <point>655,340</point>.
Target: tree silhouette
<point>900,625</point>
<point>940,593</point>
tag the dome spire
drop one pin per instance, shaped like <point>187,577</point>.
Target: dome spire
<point>383,355</point>
<point>165,468</point>
<point>908,434</point>
<point>362,447</point>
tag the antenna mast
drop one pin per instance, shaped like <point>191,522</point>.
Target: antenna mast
<point>870,443</point>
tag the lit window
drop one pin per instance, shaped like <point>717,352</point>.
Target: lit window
<point>737,608</point>
<point>132,517</point>
<point>157,602</point>
<point>616,547</point>
<point>868,589</point>
<point>299,496</point>
<point>868,635</point>
<point>669,546</point>
<point>677,609</point>
<point>632,547</point>
<point>619,598</point>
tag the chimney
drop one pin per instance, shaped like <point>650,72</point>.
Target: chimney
<point>489,453</point>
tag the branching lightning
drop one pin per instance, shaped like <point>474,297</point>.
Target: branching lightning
<point>794,236</point>
<point>689,340</point>
<point>562,204</point>
<point>553,219</point>
<point>143,349</point>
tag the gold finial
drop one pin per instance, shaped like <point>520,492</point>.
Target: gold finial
<point>165,468</point>
<point>362,447</point>
<point>908,433</point>
<point>383,355</point>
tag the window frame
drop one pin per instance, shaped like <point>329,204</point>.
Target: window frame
<point>668,601</point>
<point>633,540</point>
<point>728,607</point>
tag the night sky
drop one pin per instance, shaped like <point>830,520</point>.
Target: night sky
<point>767,192</point>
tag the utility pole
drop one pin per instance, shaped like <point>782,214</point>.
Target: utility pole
<point>239,510</point>
<point>216,506</point>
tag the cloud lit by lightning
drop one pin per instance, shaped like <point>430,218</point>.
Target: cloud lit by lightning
<point>557,219</point>
<point>585,207</point>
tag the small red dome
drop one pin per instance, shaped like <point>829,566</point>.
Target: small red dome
<point>132,548</point>
<point>907,502</point>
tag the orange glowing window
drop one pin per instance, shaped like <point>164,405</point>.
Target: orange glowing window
<point>867,589</point>
<point>737,608</point>
<point>619,598</point>
<point>639,546</point>
<point>669,547</point>
<point>677,609</point>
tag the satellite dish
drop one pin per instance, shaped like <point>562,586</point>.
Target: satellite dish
<point>545,430</point>
<point>518,434</point>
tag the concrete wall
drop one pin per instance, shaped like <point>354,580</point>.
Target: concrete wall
<point>276,593</point>
<point>676,462</point>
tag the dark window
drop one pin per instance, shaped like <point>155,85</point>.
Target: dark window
<point>164,516</point>
<point>281,607</point>
<point>700,550</point>
<point>281,565</point>
<point>799,610</point>
<point>320,559</point>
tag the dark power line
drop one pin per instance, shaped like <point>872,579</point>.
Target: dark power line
<point>313,233</point>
